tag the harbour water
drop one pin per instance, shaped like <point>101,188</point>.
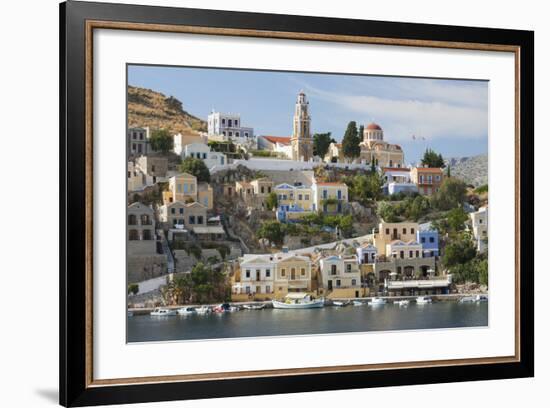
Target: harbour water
<point>278,322</point>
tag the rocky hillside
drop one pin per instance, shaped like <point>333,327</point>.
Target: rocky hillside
<point>154,109</point>
<point>473,170</point>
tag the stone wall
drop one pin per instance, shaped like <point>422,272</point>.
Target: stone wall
<point>140,268</point>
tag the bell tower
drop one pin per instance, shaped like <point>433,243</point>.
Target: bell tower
<point>301,142</point>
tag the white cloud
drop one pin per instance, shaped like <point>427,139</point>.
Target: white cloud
<point>436,111</point>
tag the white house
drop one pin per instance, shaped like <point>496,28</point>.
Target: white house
<point>257,275</point>
<point>480,230</point>
<point>202,151</point>
<point>277,144</point>
<point>228,127</point>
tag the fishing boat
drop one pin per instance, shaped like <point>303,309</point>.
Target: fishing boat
<point>187,310</point>
<point>204,310</point>
<point>339,303</point>
<point>377,302</point>
<point>402,302</point>
<point>225,308</point>
<point>423,300</point>
<point>254,307</point>
<point>358,303</point>
<point>160,311</point>
<point>298,301</point>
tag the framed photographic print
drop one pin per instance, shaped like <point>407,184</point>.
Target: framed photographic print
<point>255,203</point>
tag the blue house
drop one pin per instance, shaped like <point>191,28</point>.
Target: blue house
<point>429,239</point>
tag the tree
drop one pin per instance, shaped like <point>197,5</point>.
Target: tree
<point>133,288</point>
<point>321,143</point>
<point>451,194</point>
<point>350,142</point>
<point>386,212</point>
<point>432,159</point>
<point>196,167</point>
<point>364,187</point>
<point>456,219</point>
<point>272,231</point>
<point>459,251</point>
<point>271,201</point>
<point>161,141</point>
<point>418,207</point>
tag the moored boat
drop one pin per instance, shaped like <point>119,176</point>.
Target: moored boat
<point>338,303</point>
<point>402,302</point>
<point>204,310</point>
<point>254,307</point>
<point>160,311</point>
<point>377,302</point>
<point>358,303</point>
<point>423,300</point>
<point>187,310</point>
<point>298,301</point>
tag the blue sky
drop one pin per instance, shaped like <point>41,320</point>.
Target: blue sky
<point>449,116</point>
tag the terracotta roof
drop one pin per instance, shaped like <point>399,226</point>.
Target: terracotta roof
<point>277,139</point>
<point>330,183</point>
<point>429,169</point>
<point>373,126</point>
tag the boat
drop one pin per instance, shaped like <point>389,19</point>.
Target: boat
<point>402,302</point>
<point>187,310</point>
<point>474,299</point>
<point>254,307</point>
<point>160,311</point>
<point>358,303</point>
<point>338,303</point>
<point>482,298</point>
<point>377,302</point>
<point>298,301</point>
<point>204,310</point>
<point>422,300</point>
<point>225,308</point>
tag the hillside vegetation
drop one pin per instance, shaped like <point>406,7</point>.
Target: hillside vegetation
<point>158,111</point>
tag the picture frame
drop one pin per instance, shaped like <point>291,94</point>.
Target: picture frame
<point>78,20</point>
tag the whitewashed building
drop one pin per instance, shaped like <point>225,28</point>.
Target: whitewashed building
<point>202,151</point>
<point>256,276</point>
<point>480,230</point>
<point>228,127</point>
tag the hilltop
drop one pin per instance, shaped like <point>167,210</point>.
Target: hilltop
<point>472,170</point>
<point>156,110</point>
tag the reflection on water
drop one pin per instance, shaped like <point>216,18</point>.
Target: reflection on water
<point>278,322</point>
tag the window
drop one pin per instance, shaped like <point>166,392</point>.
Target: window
<point>147,236</point>
<point>246,134</point>
<point>417,254</point>
<point>348,268</point>
<point>404,230</point>
<point>132,219</point>
<point>191,219</point>
<point>269,189</point>
<point>181,210</point>
<point>353,282</point>
<point>230,133</point>
<point>267,273</point>
<point>152,168</point>
<point>325,194</point>
<point>410,254</point>
<point>247,273</point>
<point>338,283</point>
<point>247,290</point>
<point>267,289</point>
<point>423,240</point>
<point>333,269</point>
<point>300,197</point>
<point>306,197</point>
<point>262,189</point>
<point>236,123</point>
<point>185,188</point>
<point>223,121</point>
<point>204,156</point>
<point>481,221</point>
<point>229,123</point>
<point>387,231</point>
<point>412,230</point>
<point>173,211</point>
<point>200,220</point>
<point>133,235</point>
<point>401,254</point>
<point>303,271</point>
<point>283,272</point>
<point>134,136</point>
<point>432,240</point>
<point>223,132</point>
<point>238,134</point>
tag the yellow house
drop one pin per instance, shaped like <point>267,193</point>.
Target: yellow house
<point>340,277</point>
<point>329,197</point>
<point>392,231</point>
<point>288,195</point>
<point>293,274</point>
<point>205,195</point>
<point>183,187</point>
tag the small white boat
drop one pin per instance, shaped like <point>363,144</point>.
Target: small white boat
<point>467,299</point>
<point>402,302</point>
<point>298,301</point>
<point>187,310</point>
<point>160,311</point>
<point>423,300</point>
<point>358,303</point>
<point>204,310</point>
<point>377,302</point>
<point>338,303</point>
<point>482,298</point>
<point>254,307</point>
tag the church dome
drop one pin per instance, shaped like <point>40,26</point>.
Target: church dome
<point>373,126</point>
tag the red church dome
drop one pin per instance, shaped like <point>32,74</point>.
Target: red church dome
<point>373,126</point>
